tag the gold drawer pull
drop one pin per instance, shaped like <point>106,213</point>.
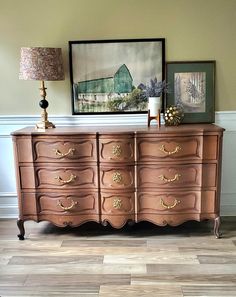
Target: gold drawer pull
<point>69,153</point>
<point>175,178</point>
<point>176,202</point>
<point>71,179</point>
<point>117,177</point>
<point>117,203</point>
<point>73,203</point>
<point>176,150</point>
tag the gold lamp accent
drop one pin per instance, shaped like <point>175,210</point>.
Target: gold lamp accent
<point>43,64</point>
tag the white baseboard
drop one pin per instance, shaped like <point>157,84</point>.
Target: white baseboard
<point>228,204</point>
<point>8,205</point>
<point>8,124</point>
<point>8,212</point>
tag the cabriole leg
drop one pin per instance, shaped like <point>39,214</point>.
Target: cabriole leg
<point>217,227</point>
<point>20,224</point>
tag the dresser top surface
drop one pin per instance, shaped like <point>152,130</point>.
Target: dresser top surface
<point>139,129</point>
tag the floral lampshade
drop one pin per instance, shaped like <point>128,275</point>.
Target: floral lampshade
<point>41,63</point>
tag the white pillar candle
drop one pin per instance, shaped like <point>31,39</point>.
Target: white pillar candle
<point>154,105</point>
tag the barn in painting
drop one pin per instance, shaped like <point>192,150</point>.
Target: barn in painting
<point>103,85</point>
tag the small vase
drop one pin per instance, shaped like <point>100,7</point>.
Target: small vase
<point>154,106</point>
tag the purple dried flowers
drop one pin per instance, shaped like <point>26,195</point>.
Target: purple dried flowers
<point>154,89</point>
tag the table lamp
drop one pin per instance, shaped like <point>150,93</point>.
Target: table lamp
<point>43,64</point>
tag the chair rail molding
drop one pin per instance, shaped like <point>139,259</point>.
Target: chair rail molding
<point>10,123</point>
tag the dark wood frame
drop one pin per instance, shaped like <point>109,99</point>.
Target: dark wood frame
<point>208,116</point>
<point>71,43</point>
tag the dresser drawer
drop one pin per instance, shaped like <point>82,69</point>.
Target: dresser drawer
<point>118,203</point>
<point>168,176</point>
<point>118,150</point>
<point>117,177</point>
<point>177,148</point>
<point>59,177</point>
<point>82,203</point>
<point>179,202</point>
<point>65,150</point>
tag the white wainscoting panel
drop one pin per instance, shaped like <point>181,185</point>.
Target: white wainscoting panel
<point>8,196</point>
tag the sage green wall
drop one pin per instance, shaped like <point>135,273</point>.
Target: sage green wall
<point>194,30</point>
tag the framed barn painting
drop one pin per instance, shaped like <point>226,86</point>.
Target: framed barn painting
<point>192,85</point>
<point>106,74</point>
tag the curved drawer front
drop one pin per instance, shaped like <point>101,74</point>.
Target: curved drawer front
<point>59,178</point>
<point>179,202</point>
<point>193,175</point>
<point>176,148</point>
<point>117,178</point>
<point>115,204</point>
<point>64,150</point>
<point>120,150</point>
<point>57,203</point>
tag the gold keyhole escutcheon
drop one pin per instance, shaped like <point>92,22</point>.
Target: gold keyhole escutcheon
<point>117,177</point>
<point>117,150</point>
<point>117,203</point>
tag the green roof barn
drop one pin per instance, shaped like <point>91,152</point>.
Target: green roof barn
<point>114,80</point>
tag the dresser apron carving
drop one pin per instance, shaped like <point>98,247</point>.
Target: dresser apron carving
<point>119,175</point>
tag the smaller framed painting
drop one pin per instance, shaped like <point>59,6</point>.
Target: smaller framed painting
<point>192,85</point>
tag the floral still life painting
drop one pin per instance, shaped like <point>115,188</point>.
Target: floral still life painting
<point>190,90</point>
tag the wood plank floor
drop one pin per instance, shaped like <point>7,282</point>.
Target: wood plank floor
<point>96,261</point>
